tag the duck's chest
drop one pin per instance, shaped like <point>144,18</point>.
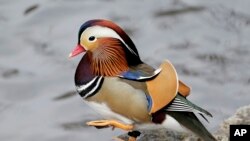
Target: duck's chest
<point>104,110</point>
<point>119,100</point>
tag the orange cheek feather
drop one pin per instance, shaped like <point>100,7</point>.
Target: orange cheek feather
<point>108,58</point>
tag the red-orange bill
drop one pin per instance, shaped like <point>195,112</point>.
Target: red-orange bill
<point>77,50</point>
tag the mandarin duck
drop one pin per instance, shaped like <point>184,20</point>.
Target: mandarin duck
<point>130,94</point>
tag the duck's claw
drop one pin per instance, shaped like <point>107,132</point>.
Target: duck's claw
<point>113,123</point>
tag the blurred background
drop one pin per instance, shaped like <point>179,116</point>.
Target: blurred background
<point>207,41</point>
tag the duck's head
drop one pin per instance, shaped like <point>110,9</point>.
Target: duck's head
<point>106,45</point>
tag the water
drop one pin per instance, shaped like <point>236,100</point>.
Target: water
<point>207,41</point>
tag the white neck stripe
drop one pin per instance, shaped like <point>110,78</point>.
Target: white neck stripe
<point>94,89</point>
<point>85,86</point>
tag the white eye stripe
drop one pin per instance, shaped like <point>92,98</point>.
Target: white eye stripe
<point>99,31</point>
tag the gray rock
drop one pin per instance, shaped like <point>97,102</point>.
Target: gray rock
<point>242,116</point>
<point>163,135</point>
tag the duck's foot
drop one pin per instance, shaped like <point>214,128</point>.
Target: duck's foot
<point>107,123</point>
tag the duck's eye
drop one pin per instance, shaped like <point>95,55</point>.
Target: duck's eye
<point>91,38</point>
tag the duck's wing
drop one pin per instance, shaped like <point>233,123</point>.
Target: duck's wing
<point>141,72</point>
<point>162,84</point>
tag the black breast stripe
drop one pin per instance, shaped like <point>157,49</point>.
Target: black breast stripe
<point>90,88</point>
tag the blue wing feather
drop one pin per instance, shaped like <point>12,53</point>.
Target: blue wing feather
<point>134,75</point>
<point>138,75</point>
<point>150,102</point>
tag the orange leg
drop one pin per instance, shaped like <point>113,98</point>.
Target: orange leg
<point>113,123</point>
